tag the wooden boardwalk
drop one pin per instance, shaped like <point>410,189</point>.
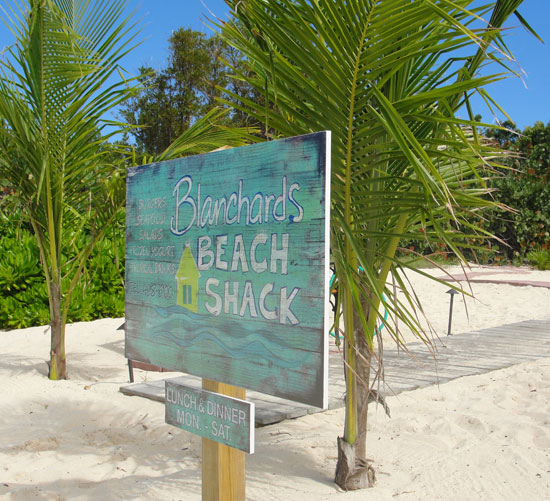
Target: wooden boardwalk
<point>456,356</point>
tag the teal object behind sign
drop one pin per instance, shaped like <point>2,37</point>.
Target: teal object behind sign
<point>227,263</point>
<point>224,419</point>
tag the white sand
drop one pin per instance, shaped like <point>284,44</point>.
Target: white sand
<point>480,437</point>
<point>491,305</point>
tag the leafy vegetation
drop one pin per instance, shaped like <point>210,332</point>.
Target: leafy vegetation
<point>523,185</point>
<point>539,259</point>
<point>24,299</point>
<point>521,182</point>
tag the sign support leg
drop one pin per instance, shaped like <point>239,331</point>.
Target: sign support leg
<point>223,467</point>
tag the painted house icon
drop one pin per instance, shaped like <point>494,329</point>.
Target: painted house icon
<point>187,278</point>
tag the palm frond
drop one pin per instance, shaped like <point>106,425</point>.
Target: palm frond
<point>387,77</point>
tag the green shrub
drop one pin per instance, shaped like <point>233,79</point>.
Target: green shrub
<point>24,300</point>
<point>23,293</point>
<point>523,184</point>
<point>525,187</point>
<point>539,259</point>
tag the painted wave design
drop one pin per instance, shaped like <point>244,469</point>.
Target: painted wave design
<point>244,342</point>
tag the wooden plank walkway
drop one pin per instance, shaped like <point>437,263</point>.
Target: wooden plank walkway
<point>456,356</point>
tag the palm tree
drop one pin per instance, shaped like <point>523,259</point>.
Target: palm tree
<point>60,79</point>
<point>387,77</point>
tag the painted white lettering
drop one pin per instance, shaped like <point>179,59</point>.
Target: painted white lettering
<point>231,297</point>
<point>258,197</point>
<point>280,201</point>
<point>220,205</point>
<point>170,395</point>
<point>239,207</point>
<point>221,242</point>
<point>292,200</point>
<point>267,314</point>
<point>239,255</point>
<point>224,431</point>
<point>241,203</point>
<point>279,254</point>
<point>248,301</point>
<point>232,201</point>
<point>187,419</point>
<point>284,307</point>
<point>217,307</point>
<point>258,267</point>
<point>189,401</point>
<point>268,199</point>
<point>206,208</point>
<point>240,300</point>
<point>185,200</point>
<point>199,205</point>
<point>203,252</point>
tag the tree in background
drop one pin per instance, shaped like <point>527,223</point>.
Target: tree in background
<point>59,80</point>
<point>199,69</point>
<point>386,77</point>
<point>524,185</point>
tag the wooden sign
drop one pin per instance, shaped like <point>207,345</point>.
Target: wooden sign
<point>227,263</point>
<point>224,419</point>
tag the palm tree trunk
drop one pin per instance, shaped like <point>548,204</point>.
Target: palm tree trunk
<point>352,469</point>
<point>363,392</point>
<point>58,365</point>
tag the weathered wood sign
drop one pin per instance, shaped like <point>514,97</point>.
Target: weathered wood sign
<point>224,419</point>
<point>227,260</point>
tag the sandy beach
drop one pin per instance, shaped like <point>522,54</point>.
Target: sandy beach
<point>477,437</point>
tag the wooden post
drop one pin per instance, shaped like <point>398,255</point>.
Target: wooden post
<point>223,467</point>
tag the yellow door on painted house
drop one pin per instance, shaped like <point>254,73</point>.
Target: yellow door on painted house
<point>188,281</point>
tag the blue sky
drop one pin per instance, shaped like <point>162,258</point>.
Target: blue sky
<point>161,17</point>
<point>525,101</point>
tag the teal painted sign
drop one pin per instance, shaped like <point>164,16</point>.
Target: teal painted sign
<point>223,419</point>
<point>227,262</point>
